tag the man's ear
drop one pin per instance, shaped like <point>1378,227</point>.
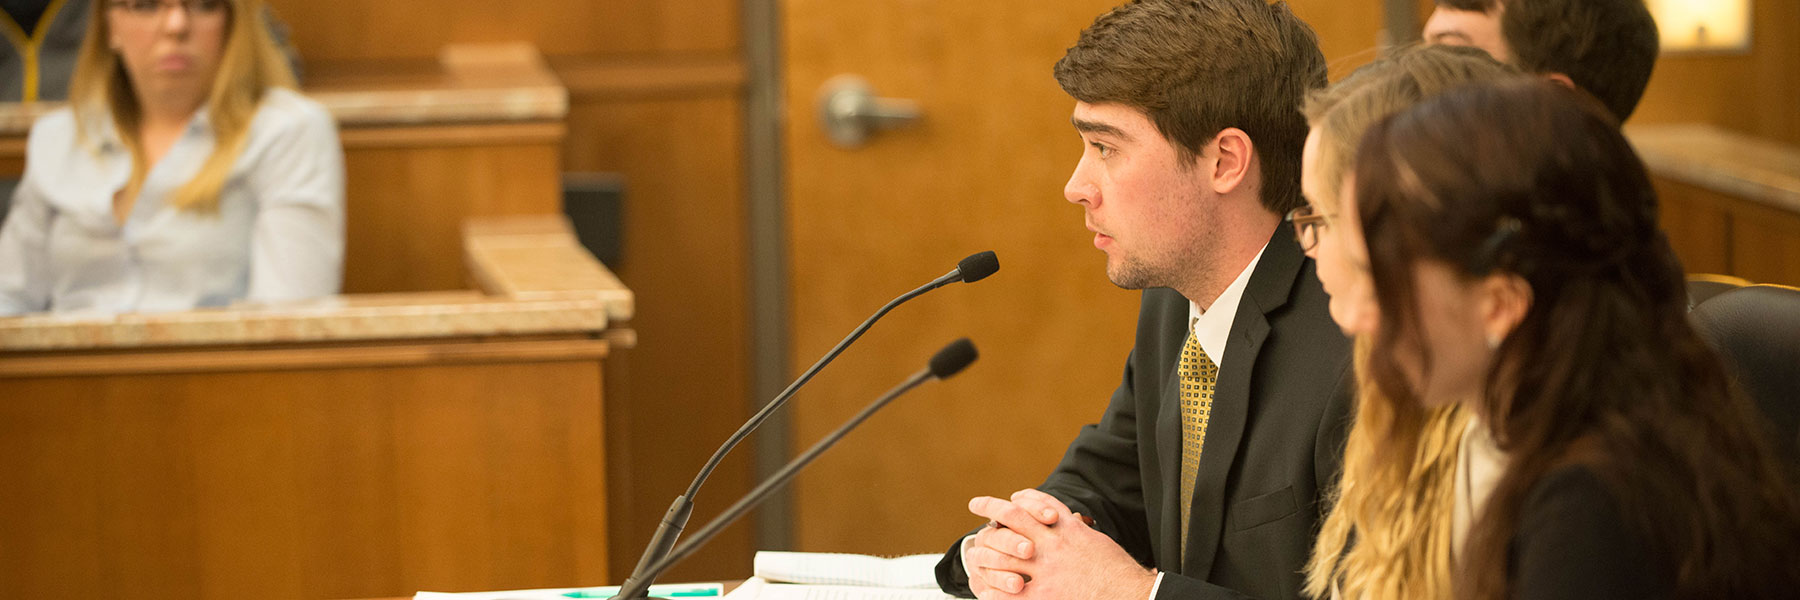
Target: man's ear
<point>1506,300</point>
<point>1561,79</point>
<point>1235,153</point>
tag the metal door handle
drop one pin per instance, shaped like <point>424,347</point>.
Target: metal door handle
<point>851,112</point>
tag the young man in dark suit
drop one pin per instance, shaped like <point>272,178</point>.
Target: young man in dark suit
<point>1206,473</point>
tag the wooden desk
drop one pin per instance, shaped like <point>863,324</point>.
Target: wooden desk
<point>352,447</point>
<point>427,145</point>
<point>730,585</point>
<point>1730,202</point>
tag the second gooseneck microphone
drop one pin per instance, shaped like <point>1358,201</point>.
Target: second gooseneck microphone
<point>949,361</point>
<point>969,270</point>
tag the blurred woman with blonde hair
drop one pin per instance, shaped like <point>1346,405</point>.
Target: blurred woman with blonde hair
<point>1376,543</point>
<point>186,172</point>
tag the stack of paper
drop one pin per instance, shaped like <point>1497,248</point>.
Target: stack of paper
<point>821,576</point>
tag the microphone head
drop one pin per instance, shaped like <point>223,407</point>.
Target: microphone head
<point>977,266</point>
<point>954,357</point>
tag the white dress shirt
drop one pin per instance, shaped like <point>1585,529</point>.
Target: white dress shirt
<point>278,233</point>
<point>1213,327</point>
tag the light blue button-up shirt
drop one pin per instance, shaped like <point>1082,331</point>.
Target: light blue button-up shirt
<point>278,233</point>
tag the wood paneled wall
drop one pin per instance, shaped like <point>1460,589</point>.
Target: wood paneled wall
<point>1349,32</point>
<point>396,181</point>
<point>1755,93</point>
<point>1717,233</point>
<point>333,30</point>
<point>656,94</point>
<point>684,387</point>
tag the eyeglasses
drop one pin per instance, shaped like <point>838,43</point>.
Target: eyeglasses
<point>1306,226</point>
<point>151,8</point>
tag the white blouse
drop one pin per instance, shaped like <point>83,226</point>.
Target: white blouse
<point>278,233</point>
<point>1479,465</point>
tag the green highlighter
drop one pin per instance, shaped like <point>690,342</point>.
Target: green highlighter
<point>694,590</point>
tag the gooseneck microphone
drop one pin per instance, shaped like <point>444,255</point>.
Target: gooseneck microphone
<point>971,269</point>
<point>948,361</point>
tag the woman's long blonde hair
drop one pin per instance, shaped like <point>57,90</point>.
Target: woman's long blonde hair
<point>1389,531</point>
<point>250,64</point>
<point>1388,534</point>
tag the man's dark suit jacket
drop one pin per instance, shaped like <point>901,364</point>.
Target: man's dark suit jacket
<point>1273,446</point>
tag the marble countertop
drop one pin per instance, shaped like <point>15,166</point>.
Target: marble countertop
<point>467,83</point>
<point>535,279</point>
<point>1731,163</point>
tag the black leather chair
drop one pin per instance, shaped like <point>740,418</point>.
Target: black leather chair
<point>1756,329</point>
<point>1703,286</point>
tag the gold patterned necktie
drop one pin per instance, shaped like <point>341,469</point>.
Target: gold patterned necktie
<point>1198,376</point>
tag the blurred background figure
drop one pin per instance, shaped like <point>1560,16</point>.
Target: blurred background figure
<point>185,173</point>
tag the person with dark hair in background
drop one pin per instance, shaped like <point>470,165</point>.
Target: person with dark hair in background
<point>1204,475</point>
<point>1519,271</point>
<point>1606,47</point>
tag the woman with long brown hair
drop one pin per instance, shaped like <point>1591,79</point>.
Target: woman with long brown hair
<point>1518,266</point>
<point>185,172</point>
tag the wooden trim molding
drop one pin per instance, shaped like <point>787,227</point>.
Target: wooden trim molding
<point>441,136</point>
<point>234,359</point>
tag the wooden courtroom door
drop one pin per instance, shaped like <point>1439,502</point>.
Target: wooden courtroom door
<point>982,169</point>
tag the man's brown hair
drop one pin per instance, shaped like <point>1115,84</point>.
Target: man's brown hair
<point>1196,67</point>
<point>1607,47</point>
